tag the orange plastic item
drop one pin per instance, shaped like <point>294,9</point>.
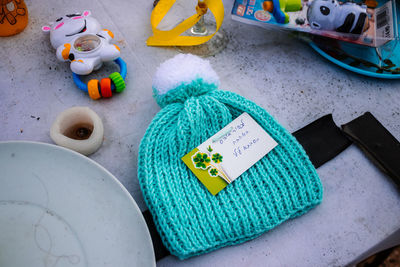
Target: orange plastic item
<point>13,17</point>
<point>105,85</point>
<point>109,33</point>
<point>268,6</point>
<point>93,89</point>
<point>371,3</point>
<point>65,51</point>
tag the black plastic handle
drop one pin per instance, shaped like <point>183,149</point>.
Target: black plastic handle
<point>380,146</point>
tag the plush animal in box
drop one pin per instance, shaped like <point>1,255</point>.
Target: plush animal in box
<point>79,38</point>
<point>333,16</point>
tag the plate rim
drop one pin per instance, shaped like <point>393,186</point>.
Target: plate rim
<point>113,178</point>
<point>351,68</point>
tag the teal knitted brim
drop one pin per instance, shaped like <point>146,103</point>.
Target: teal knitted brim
<point>189,219</point>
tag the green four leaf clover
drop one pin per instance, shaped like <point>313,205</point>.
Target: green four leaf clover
<point>213,172</point>
<point>201,160</point>
<point>217,158</point>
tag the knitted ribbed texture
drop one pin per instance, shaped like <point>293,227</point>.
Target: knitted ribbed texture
<point>192,221</point>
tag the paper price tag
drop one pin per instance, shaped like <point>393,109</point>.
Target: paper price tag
<point>225,156</point>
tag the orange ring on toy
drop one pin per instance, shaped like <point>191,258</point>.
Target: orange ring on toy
<point>105,87</point>
<point>93,89</point>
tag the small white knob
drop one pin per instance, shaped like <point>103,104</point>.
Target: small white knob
<point>79,129</point>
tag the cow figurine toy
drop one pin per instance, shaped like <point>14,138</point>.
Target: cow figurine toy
<point>80,39</point>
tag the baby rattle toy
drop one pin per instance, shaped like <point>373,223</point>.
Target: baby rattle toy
<point>78,38</point>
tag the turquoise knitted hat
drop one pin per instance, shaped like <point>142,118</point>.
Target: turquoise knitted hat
<point>189,219</point>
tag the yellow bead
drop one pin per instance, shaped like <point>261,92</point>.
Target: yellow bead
<point>93,89</point>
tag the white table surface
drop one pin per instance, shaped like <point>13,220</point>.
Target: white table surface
<point>361,206</point>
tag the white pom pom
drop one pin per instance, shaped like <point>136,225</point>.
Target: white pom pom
<point>183,69</point>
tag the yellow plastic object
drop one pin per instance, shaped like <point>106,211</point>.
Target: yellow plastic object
<point>93,89</point>
<point>13,17</point>
<point>173,37</point>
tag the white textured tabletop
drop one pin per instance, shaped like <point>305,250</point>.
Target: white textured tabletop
<point>361,206</point>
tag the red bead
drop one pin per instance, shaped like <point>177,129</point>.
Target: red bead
<point>105,85</point>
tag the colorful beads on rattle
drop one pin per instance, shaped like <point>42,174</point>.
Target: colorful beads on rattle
<point>118,81</point>
<point>105,85</point>
<point>103,88</point>
<point>93,89</point>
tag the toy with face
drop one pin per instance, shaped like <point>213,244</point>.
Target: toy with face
<point>13,17</point>
<point>331,16</point>
<point>79,38</point>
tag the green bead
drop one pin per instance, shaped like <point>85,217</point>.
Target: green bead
<point>118,81</point>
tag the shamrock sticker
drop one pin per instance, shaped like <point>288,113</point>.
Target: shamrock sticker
<point>201,160</point>
<point>217,158</point>
<point>213,172</point>
<point>210,162</point>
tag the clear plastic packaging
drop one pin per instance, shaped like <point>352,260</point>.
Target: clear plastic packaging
<point>374,52</point>
<point>365,22</point>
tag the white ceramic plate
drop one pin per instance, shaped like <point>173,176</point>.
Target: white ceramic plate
<point>59,208</point>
